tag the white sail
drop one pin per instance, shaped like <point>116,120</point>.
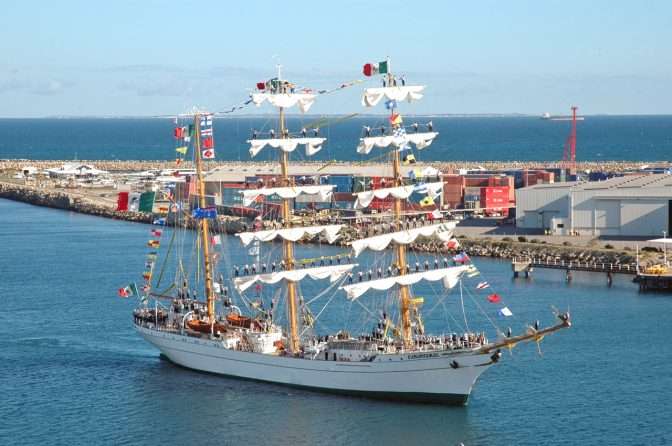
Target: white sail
<point>291,234</point>
<point>323,192</point>
<point>449,275</point>
<point>420,140</point>
<point>285,100</point>
<point>333,272</point>
<point>444,231</point>
<point>313,145</point>
<point>372,96</point>
<point>402,192</point>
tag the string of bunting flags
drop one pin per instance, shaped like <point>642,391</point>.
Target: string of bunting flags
<point>131,290</point>
<point>463,258</point>
<point>241,105</point>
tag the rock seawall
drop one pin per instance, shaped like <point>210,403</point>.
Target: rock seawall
<point>72,202</point>
<point>68,202</point>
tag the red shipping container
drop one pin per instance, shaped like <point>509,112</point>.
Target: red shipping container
<point>344,196</point>
<point>233,185</point>
<point>453,189</point>
<point>453,179</point>
<point>494,197</point>
<point>476,181</point>
<point>529,179</point>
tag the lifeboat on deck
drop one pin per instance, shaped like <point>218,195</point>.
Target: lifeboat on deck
<point>205,327</point>
<point>238,320</point>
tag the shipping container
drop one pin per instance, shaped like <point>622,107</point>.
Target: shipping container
<point>253,179</point>
<point>344,196</point>
<point>384,204</point>
<point>495,200</point>
<point>453,179</point>
<point>342,205</point>
<point>475,181</point>
<point>343,183</point>
<point>360,184</point>
<point>231,196</point>
<point>472,191</point>
<point>597,176</point>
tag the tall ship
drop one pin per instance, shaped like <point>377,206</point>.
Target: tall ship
<point>213,317</point>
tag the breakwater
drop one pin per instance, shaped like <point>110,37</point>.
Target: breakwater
<point>510,249</point>
<point>13,165</point>
<point>77,202</point>
<point>69,201</point>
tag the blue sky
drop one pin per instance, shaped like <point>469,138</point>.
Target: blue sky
<point>160,57</point>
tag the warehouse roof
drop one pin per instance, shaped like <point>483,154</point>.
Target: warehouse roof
<point>628,183</point>
<point>649,184</point>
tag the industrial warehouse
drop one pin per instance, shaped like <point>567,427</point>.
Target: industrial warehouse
<point>631,205</point>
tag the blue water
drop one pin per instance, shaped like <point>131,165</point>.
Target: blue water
<point>72,370</point>
<point>642,138</point>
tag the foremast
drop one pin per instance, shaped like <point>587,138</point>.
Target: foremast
<point>203,225</point>
<point>399,141</point>
<point>400,252</point>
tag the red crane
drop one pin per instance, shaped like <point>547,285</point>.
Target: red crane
<point>569,157</point>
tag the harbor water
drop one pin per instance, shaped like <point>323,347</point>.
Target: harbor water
<point>73,371</point>
<point>520,138</point>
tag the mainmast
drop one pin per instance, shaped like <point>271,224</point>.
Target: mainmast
<point>203,222</point>
<point>288,245</point>
<point>400,249</point>
<point>283,94</point>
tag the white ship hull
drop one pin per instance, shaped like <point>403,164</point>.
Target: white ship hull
<point>422,377</point>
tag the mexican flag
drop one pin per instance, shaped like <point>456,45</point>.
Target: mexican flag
<point>375,68</point>
<point>129,290</point>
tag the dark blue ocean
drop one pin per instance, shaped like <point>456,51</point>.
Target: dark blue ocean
<point>639,138</point>
<point>73,371</point>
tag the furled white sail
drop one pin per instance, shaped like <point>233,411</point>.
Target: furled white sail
<point>291,234</point>
<point>372,96</point>
<point>365,198</point>
<point>333,272</point>
<point>450,277</point>
<point>313,145</point>
<point>420,140</point>
<point>323,192</point>
<point>443,231</point>
<point>402,192</point>
<point>285,100</point>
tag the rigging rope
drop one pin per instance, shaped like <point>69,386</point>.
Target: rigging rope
<point>165,260</point>
<point>466,324</point>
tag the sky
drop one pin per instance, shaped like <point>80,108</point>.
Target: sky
<point>150,57</point>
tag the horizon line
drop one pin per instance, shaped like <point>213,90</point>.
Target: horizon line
<point>265,115</point>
